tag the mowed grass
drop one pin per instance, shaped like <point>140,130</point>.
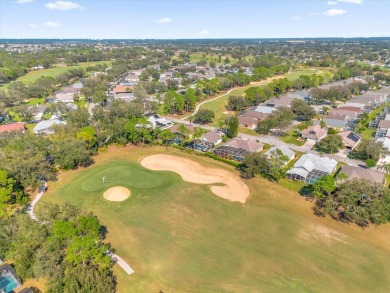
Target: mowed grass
<point>32,76</point>
<point>326,74</point>
<point>219,106</point>
<point>179,237</point>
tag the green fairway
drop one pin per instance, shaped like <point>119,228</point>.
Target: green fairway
<point>293,75</point>
<point>31,76</point>
<point>180,237</point>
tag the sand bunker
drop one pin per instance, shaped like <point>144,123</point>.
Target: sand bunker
<point>117,193</point>
<point>234,189</point>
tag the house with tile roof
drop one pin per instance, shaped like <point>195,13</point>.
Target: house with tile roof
<point>284,150</point>
<point>212,137</point>
<point>18,126</point>
<point>314,133</point>
<point>353,172</point>
<point>310,167</point>
<point>350,139</point>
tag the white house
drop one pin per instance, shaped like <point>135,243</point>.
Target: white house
<point>310,167</point>
<point>46,126</point>
<point>158,121</point>
<point>285,150</point>
<point>65,98</point>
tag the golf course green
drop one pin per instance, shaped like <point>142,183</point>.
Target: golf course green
<point>180,237</point>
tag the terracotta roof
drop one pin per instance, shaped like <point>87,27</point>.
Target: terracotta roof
<point>249,145</point>
<point>19,126</point>
<point>314,132</point>
<point>122,89</point>
<point>361,173</point>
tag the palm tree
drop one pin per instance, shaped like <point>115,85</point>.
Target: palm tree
<point>197,134</point>
<point>183,131</point>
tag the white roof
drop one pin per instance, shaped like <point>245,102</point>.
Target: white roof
<point>359,105</point>
<point>310,162</point>
<point>286,151</point>
<point>43,125</point>
<point>265,109</point>
<point>386,142</point>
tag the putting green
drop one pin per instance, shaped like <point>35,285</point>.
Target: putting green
<point>130,175</point>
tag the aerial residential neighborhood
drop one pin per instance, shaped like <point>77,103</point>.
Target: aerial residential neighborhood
<point>182,146</point>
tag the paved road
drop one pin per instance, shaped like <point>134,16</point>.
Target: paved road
<point>275,141</point>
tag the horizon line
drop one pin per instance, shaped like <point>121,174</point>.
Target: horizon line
<point>174,39</point>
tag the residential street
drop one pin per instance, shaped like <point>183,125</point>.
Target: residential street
<point>275,141</point>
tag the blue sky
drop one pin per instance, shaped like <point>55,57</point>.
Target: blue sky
<point>165,19</point>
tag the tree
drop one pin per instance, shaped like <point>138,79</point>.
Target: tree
<point>204,116</point>
<point>370,150</point>
<point>183,131</point>
<point>271,167</point>
<point>198,132</point>
<point>359,201</point>
<point>232,129</point>
<point>302,110</point>
<point>26,158</point>
<point>370,163</point>
<point>167,136</point>
<point>280,119</point>
<point>236,103</point>
<point>88,135</point>
<point>11,192</point>
<point>332,143</point>
<point>323,187</point>
<point>70,153</point>
<point>189,99</point>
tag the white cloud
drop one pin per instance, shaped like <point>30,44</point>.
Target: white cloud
<point>352,1</point>
<point>23,1</point>
<point>33,25</point>
<point>51,24</point>
<point>204,32</point>
<point>332,3</point>
<point>63,5</point>
<point>296,18</point>
<point>334,12</point>
<point>163,20</point>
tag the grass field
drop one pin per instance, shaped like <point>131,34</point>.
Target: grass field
<point>31,76</point>
<point>179,237</point>
<point>320,71</point>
